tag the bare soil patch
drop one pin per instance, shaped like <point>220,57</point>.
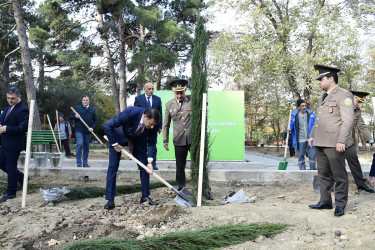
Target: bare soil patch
<point>67,221</point>
<point>44,225</point>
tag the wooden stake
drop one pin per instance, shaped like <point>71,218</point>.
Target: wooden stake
<point>201,153</point>
<point>58,128</point>
<point>53,133</point>
<point>28,149</point>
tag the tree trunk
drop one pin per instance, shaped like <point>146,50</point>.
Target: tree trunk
<point>111,68</point>
<point>26,60</point>
<point>41,69</point>
<point>122,70</point>
<point>159,76</point>
<point>141,68</point>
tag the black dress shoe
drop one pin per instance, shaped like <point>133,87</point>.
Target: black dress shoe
<point>156,167</point>
<point>321,205</point>
<point>339,211</point>
<point>149,200</point>
<point>110,205</point>
<point>7,197</point>
<point>366,188</point>
<point>208,196</point>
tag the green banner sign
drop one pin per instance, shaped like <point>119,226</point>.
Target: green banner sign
<point>225,124</point>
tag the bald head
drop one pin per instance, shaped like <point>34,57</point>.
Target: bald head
<point>149,88</point>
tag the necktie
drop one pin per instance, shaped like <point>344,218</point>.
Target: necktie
<point>8,111</point>
<point>324,96</point>
<point>180,104</point>
<point>139,130</point>
<point>137,133</point>
<point>148,101</point>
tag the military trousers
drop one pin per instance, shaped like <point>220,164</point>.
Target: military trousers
<point>354,165</point>
<point>331,164</point>
<point>181,153</point>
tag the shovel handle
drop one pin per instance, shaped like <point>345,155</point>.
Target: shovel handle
<point>143,166</point>
<point>97,138</point>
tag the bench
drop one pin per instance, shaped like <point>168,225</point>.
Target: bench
<point>44,137</point>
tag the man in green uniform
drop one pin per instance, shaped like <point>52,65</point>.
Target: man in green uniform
<point>351,154</point>
<point>330,135</point>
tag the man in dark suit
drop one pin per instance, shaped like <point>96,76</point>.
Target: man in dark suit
<point>131,127</point>
<point>149,100</point>
<point>13,127</point>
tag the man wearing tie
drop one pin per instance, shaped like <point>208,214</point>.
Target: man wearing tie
<point>330,135</point>
<point>13,127</point>
<point>131,127</point>
<point>149,100</point>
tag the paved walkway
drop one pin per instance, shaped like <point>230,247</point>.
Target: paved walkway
<point>257,167</point>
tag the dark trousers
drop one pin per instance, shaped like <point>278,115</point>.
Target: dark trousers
<point>332,164</point>
<point>181,153</point>
<point>152,151</point>
<point>354,165</point>
<point>114,162</point>
<point>65,143</point>
<point>8,163</point>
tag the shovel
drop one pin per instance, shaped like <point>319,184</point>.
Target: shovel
<point>183,198</point>
<point>284,164</point>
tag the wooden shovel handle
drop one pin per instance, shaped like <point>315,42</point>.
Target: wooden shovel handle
<point>143,166</point>
<point>88,128</point>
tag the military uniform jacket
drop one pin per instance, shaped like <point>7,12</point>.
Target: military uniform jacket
<point>359,123</point>
<point>181,121</point>
<point>335,119</point>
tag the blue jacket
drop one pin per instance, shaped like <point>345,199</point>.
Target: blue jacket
<point>294,125</point>
<point>88,115</point>
<point>122,127</point>
<point>140,101</point>
<point>14,139</point>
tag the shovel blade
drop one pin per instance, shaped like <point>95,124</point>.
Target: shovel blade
<point>283,165</point>
<point>184,198</point>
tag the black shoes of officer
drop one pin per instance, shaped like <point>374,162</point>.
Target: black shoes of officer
<point>149,200</point>
<point>366,188</point>
<point>156,167</point>
<point>110,205</point>
<point>321,205</point>
<point>208,196</point>
<point>339,211</point>
<point>7,197</point>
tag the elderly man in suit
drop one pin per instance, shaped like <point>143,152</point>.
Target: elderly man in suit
<point>149,100</point>
<point>330,135</point>
<point>13,127</point>
<point>131,127</point>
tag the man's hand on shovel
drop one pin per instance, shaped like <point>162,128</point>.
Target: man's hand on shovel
<point>151,169</point>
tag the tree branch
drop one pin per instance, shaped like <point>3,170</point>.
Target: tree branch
<point>13,51</point>
<point>3,4</point>
<point>10,31</point>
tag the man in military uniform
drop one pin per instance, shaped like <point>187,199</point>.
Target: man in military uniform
<point>330,135</point>
<point>351,154</point>
<point>179,111</point>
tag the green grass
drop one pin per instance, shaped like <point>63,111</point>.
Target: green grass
<point>78,193</point>
<point>209,238</point>
<point>32,185</point>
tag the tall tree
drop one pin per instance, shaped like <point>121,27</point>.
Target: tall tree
<point>198,87</point>
<point>26,60</point>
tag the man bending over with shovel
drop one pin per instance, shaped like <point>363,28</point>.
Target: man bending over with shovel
<point>131,127</point>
